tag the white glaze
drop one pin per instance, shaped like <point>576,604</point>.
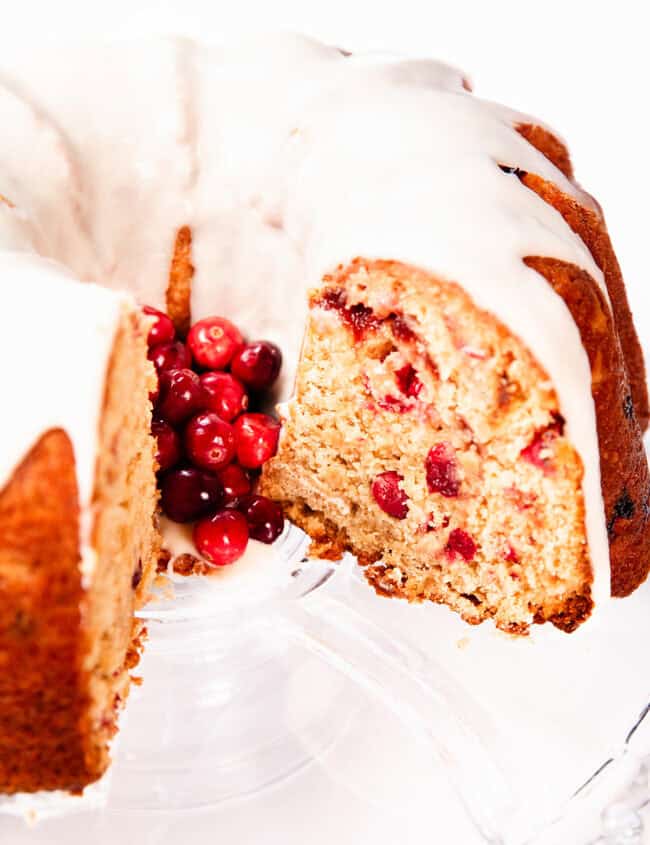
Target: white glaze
<point>286,159</point>
<point>47,383</point>
<point>258,575</point>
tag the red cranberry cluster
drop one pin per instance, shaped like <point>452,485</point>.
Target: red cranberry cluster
<point>211,442</point>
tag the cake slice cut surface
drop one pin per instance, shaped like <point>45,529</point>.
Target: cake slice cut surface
<point>425,438</point>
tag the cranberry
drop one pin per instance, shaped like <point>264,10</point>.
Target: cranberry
<point>226,396</point>
<point>264,517</point>
<point>235,482</point>
<point>402,330</point>
<point>210,441</point>
<point>408,381</point>
<point>459,542</point>
<point>189,493</point>
<point>170,356</point>
<point>442,471</point>
<point>168,451</point>
<point>257,439</point>
<point>162,329</point>
<point>335,299</point>
<point>361,320</point>
<point>257,364</point>
<point>181,395</point>
<point>223,538</point>
<point>540,451</point>
<point>511,554</point>
<point>389,495</point>
<point>358,318</point>
<point>213,342</point>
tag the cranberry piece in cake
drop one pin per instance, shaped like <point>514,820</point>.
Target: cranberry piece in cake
<point>442,471</point>
<point>181,395</point>
<point>389,495</point>
<point>236,484</point>
<point>170,356</point>
<point>226,395</point>
<point>510,554</point>
<point>624,508</point>
<point>222,539</point>
<point>359,318</point>
<point>257,439</point>
<point>162,329</point>
<point>540,451</point>
<point>187,494</point>
<point>408,381</point>
<point>213,341</point>
<point>210,441</point>
<point>168,451</point>
<point>264,517</point>
<point>257,364</point>
<point>460,543</point>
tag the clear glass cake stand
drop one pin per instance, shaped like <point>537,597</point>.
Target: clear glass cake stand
<point>252,676</point>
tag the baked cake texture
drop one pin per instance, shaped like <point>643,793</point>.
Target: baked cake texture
<point>470,396</point>
<point>427,440</point>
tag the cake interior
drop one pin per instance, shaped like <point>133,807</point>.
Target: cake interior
<point>124,534</point>
<point>410,395</point>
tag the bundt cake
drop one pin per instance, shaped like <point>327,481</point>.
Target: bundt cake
<point>470,396</point>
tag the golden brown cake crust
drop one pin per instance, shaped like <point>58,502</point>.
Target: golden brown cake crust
<point>548,145</point>
<point>623,466</point>
<point>42,695</point>
<point>590,227</point>
<point>618,371</point>
<point>179,287</point>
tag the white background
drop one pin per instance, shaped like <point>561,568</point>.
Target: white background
<point>583,68</point>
